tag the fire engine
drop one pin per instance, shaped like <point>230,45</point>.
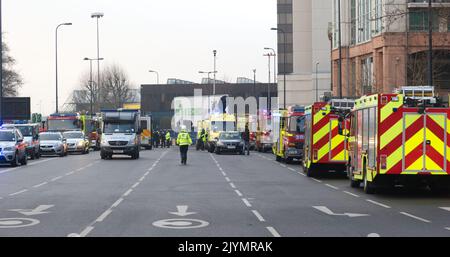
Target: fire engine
<point>65,122</point>
<point>264,139</point>
<point>216,124</point>
<point>92,128</point>
<point>325,149</point>
<point>400,138</point>
<point>289,133</point>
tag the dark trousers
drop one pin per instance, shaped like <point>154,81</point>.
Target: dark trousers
<point>247,147</point>
<point>183,151</point>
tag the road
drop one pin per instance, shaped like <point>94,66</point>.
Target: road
<point>214,196</point>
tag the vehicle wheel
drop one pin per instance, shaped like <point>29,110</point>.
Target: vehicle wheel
<point>310,172</point>
<point>278,158</point>
<point>289,160</point>
<point>15,161</point>
<point>368,186</point>
<point>24,160</point>
<point>38,155</point>
<point>62,154</point>
<point>33,156</point>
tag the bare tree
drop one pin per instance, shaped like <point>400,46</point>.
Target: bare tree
<point>12,80</point>
<point>116,87</point>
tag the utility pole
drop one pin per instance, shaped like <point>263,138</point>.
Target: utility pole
<point>269,55</point>
<point>430,43</point>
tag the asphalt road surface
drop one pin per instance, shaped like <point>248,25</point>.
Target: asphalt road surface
<point>213,196</point>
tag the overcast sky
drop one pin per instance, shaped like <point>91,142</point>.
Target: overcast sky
<point>174,37</point>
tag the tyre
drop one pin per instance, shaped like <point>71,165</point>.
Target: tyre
<point>103,155</point>
<point>24,160</point>
<point>310,172</point>
<point>15,161</point>
<point>38,155</point>
<point>62,154</point>
<point>279,159</point>
<point>33,156</point>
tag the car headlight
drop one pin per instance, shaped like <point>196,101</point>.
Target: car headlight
<point>9,149</point>
<point>81,143</point>
<point>104,142</point>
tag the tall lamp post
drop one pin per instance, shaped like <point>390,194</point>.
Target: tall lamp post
<point>274,54</point>
<point>157,75</point>
<point>1,67</point>
<point>254,82</point>
<point>430,43</point>
<point>269,55</point>
<point>91,82</point>
<point>317,81</point>
<point>56,55</point>
<point>97,16</point>
<point>284,62</point>
<point>215,72</point>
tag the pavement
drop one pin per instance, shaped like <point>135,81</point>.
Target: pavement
<point>213,196</point>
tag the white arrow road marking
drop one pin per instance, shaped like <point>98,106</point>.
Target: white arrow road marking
<point>445,208</point>
<point>329,212</point>
<point>182,211</point>
<point>42,209</point>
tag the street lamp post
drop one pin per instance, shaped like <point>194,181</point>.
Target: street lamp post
<point>157,75</point>
<point>97,16</point>
<point>91,82</point>
<point>274,54</point>
<point>56,55</point>
<point>254,82</point>
<point>317,81</point>
<point>284,62</point>
<point>215,72</point>
<point>430,43</point>
<point>1,67</point>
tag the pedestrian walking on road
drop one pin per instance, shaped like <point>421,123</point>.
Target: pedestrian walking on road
<point>168,138</point>
<point>156,139</point>
<point>184,141</point>
<point>246,138</point>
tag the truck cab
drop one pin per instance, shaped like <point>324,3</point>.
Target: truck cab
<point>121,133</point>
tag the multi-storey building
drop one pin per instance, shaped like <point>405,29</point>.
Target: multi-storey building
<point>306,48</point>
<point>385,45</point>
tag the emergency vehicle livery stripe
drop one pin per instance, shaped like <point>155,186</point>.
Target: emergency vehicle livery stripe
<point>388,142</point>
<point>388,110</point>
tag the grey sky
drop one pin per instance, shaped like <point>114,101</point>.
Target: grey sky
<point>175,37</point>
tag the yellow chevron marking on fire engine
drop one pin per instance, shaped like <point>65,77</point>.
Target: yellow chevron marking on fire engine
<point>414,142</point>
<point>432,165</point>
<point>322,152</point>
<point>391,134</point>
<point>340,156</point>
<point>319,115</point>
<point>388,110</point>
<point>393,159</point>
<point>436,142</point>
<point>323,132</point>
<point>417,165</point>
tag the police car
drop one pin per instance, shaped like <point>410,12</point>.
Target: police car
<point>13,149</point>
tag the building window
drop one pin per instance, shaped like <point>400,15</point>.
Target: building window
<point>418,20</point>
<point>364,20</point>
<point>378,17</point>
<point>353,22</point>
<point>367,75</point>
<point>285,41</point>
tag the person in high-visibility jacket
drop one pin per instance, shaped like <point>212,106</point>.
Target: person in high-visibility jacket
<point>168,138</point>
<point>205,139</point>
<point>184,141</point>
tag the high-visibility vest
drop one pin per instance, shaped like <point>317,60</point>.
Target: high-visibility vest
<point>184,139</point>
<point>168,136</point>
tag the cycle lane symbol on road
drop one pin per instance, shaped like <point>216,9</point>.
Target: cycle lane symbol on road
<point>6,223</point>
<point>182,222</point>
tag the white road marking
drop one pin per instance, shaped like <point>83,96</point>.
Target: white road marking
<point>415,217</point>
<point>273,232</point>
<point>128,192</point>
<point>225,174</point>
<point>282,165</point>
<point>448,228</point>
<point>445,208</point>
<point>228,179</point>
<point>70,173</point>
<point>86,231</point>
<point>42,184</point>
<point>317,180</point>
<point>90,165</point>
<point>302,174</point>
<point>379,204</point>
<point>18,193</point>
<point>232,185</point>
<point>80,169</point>
<point>117,203</point>
<point>355,195</point>
<point>142,179</point>
<point>135,185</point>
<point>331,186</point>
<point>57,178</point>
<point>146,174</point>
<point>291,169</point>
<point>373,235</point>
<point>259,216</point>
<point>246,202</point>
<point>8,170</point>
<point>103,216</point>
<point>238,193</point>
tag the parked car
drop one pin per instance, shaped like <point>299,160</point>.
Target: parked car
<point>30,132</point>
<point>77,142</point>
<point>12,147</point>
<point>53,143</point>
<point>229,142</point>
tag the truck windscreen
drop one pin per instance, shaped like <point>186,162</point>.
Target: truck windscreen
<point>297,124</point>
<point>119,127</point>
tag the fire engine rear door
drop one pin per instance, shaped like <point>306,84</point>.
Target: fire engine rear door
<point>413,142</point>
<point>436,143</point>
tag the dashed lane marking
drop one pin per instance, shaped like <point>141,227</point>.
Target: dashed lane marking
<point>246,202</point>
<point>379,204</point>
<point>273,232</point>
<point>319,181</point>
<point>42,184</point>
<point>103,216</point>
<point>128,192</point>
<point>70,173</point>
<point>135,185</point>
<point>415,217</point>
<point>117,203</point>
<point>331,186</point>
<point>18,193</point>
<point>56,179</point>
<point>228,179</point>
<point>259,216</point>
<point>233,186</point>
<point>355,195</point>
<point>238,193</point>
<point>86,231</point>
